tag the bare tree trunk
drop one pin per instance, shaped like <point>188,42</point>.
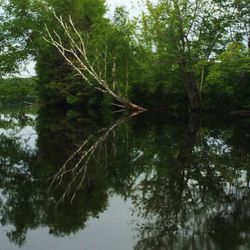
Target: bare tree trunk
<point>193,92</point>
<point>192,89</point>
<point>114,74</point>
<point>191,86</point>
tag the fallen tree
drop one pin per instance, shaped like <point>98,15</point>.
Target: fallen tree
<point>75,54</point>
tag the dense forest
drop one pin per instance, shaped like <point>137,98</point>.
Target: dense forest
<point>175,55</point>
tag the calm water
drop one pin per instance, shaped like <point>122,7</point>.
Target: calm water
<point>153,181</point>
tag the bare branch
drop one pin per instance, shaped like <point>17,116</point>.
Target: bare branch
<point>76,56</point>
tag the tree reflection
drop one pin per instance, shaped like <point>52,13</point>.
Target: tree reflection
<point>198,201</point>
<point>16,182</point>
<point>24,178</point>
<point>75,168</point>
<point>188,180</point>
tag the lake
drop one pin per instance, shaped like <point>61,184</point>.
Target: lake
<point>77,180</point>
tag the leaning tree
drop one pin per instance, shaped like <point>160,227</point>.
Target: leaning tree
<point>76,54</point>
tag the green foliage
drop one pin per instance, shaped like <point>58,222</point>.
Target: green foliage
<point>182,40</point>
<point>18,89</point>
<point>53,72</point>
<point>146,59</point>
<point>22,37</point>
<point>228,79</point>
<point>22,23</point>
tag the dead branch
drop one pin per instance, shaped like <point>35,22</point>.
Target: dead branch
<point>76,56</point>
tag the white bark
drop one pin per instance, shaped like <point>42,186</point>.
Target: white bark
<point>76,56</point>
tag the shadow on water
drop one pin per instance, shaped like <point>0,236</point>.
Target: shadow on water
<point>187,178</point>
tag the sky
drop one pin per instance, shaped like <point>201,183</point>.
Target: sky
<point>131,5</point>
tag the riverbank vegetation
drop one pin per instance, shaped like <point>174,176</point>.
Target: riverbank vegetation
<point>176,55</point>
<point>18,90</point>
<point>182,173</point>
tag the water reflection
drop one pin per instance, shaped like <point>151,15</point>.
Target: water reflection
<point>188,179</point>
<point>199,200</point>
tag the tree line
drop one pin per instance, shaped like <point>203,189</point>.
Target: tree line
<point>178,54</point>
